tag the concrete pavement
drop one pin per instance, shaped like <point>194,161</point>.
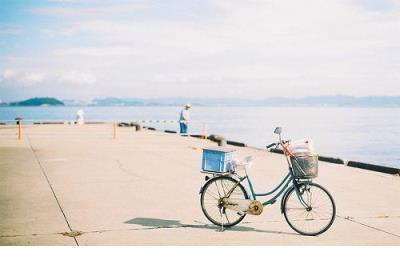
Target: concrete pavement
<point>143,189</point>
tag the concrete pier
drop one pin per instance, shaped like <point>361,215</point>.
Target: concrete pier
<point>77,185</point>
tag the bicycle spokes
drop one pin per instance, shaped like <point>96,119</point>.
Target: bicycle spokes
<point>309,209</point>
<point>214,201</point>
<point>317,213</point>
<point>304,195</point>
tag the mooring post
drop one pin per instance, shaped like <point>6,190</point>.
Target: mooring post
<point>20,130</point>
<point>19,124</point>
<point>204,131</point>
<point>114,130</point>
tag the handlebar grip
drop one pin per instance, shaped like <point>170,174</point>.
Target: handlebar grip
<point>271,145</point>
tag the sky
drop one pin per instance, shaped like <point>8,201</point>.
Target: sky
<point>85,49</point>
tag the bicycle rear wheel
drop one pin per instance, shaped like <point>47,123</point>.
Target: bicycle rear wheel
<point>212,193</point>
<point>318,214</point>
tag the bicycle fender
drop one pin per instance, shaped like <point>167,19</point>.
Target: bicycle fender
<point>284,197</point>
<point>206,178</point>
<point>208,181</point>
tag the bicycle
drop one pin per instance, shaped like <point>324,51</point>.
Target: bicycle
<point>308,208</point>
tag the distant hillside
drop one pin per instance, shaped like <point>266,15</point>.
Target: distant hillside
<point>38,102</point>
<point>310,101</point>
<point>313,101</point>
<point>336,101</point>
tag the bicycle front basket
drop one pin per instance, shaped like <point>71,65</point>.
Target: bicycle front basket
<point>305,166</point>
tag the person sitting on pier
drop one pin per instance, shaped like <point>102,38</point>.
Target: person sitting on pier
<point>184,119</point>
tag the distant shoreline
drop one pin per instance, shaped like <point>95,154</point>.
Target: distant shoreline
<point>310,101</point>
<point>203,106</point>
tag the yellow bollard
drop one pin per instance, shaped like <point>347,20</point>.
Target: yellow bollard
<point>20,130</point>
<point>114,130</point>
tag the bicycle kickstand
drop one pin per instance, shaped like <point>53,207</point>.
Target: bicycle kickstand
<point>222,221</point>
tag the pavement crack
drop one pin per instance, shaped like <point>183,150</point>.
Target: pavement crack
<point>18,235</point>
<point>39,234</point>
<point>50,185</point>
<point>72,233</point>
<point>348,218</point>
<point>144,228</point>
<point>371,217</point>
<point>140,229</point>
<point>127,171</point>
<point>194,226</point>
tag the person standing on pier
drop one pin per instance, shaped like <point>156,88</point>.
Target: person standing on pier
<point>184,119</point>
<point>79,117</point>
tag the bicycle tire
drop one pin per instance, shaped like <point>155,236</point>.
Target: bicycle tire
<point>239,190</point>
<point>291,197</point>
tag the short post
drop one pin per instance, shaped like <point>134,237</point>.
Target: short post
<point>19,130</point>
<point>136,125</point>
<point>19,124</point>
<point>204,136</point>
<point>114,130</point>
<point>218,139</point>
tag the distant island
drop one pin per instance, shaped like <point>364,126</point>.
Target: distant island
<point>310,101</point>
<point>46,101</point>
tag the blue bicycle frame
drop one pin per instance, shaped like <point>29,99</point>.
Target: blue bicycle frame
<point>278,190</point>
<point>290,179</point>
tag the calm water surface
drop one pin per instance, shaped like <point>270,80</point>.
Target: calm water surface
<point>365,134</point>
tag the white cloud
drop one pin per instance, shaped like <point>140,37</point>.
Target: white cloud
<point>263,47</point>
<point>12,77</point>
<point>75,78</point>
<point>63,31</point>
<point>285,29</point>
<point>73,1</point>
<point>10,29</point>
<point>99,51</point>
<point>29,79</point>
<point>7,74</point>
<point>100,10</point>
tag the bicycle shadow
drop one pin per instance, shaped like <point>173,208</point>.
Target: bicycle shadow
<point>154,223</point>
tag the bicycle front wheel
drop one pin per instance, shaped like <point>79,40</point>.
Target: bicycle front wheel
<point>213,192</point>
<point>311,211</point>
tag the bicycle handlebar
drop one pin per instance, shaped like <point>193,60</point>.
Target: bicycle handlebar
<point>271,145</point>
<point>277,143</point>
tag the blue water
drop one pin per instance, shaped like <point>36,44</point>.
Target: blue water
<point>364,134</point>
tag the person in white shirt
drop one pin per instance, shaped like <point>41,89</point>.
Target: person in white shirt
<point>184,119</point>
<point>79,117</point>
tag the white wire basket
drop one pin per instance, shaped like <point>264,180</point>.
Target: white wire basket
<point>305,166</point>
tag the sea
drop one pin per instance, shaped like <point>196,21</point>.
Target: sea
<point>370,135</point>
